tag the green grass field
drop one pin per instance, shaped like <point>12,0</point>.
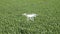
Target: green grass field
<point>12,21</point>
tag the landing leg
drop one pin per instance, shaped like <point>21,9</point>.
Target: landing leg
<point>32,19</point>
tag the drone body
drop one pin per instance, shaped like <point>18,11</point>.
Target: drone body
<point>30,16</point>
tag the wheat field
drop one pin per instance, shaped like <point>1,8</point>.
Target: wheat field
<point>12,21</point>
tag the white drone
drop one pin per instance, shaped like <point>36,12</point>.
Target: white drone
<point>30,16</point>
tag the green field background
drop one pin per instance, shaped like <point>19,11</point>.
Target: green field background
<point>12,21</point>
